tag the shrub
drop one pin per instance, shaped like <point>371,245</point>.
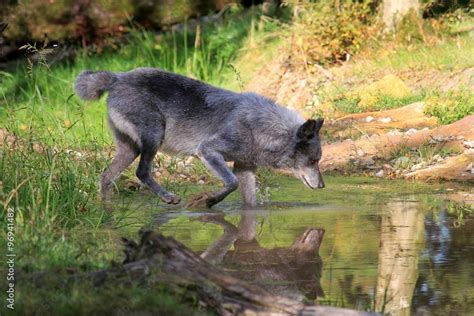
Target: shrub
<point>328,32</point>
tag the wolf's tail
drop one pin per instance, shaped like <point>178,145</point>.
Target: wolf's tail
<point>91,85</point>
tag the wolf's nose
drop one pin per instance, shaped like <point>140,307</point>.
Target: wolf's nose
<point>321,185</point>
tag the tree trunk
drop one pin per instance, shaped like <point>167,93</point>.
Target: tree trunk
<point>394,10</point>
<point>401,239</point>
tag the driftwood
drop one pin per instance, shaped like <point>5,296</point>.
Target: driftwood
<point>160,259</point>
<point>337,155</point>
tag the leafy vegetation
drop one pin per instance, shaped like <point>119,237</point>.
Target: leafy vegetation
<point>352,105</point>
<point>83,299</point>
<point>450,106</point>
<point>332,32</point>
<point>40,98</point>
<point>406,158</point>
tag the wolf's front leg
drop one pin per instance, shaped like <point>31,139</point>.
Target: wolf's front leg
<point>247,183</point>
<point>216,163</point>
<point>216,252</point>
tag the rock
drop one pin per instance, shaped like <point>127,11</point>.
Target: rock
<point>131,185</point>
<point>470,168</point>
<point>418,166</point>
<point>388,167</point>
<point>380,173</point>
<point>369,162</point>
<point>394,132</point>
<point>380,122</point>
<point>385,120</point>
<point>389,86</point>
<point>437,158</point>
<point>468,144</point>
<point>411,131</point>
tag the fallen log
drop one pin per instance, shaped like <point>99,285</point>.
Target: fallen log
<point>459,167</point>
<point>160,259</point>
<point>338,155</point>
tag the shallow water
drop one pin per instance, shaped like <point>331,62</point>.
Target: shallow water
<point>392,247</point>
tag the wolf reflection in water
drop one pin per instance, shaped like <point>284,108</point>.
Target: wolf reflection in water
<point>293,271</point>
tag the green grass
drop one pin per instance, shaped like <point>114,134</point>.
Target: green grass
<point>351,105</point>
<point>450,106</point>
<point>84,299</point>
<point>447,57</point>
<point>449,53</point>
<point>40,97</point>
<point>447,106</point>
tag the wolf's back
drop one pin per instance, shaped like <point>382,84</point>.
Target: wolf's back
<point>91,85</point>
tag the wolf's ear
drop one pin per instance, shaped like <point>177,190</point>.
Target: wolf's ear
<point>319,124</point>
<point>310,128</point>
<point>307,130</point>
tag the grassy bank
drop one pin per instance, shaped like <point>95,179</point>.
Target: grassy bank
<point>429,61</point>
<point>440,74</point>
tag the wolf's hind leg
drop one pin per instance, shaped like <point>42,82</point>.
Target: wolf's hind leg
<point>144,174</point>
<point>247,183</point>
<point>125,154</point>
<point>216,163</point>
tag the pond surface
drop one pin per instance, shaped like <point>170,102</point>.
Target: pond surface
<point>389,246</point>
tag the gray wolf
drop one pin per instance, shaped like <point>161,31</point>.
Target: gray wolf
<point>150,109</point>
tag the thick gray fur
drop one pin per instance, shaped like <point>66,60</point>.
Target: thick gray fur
<point>150,110</point>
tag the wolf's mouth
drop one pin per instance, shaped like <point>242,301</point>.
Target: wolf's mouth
<point>306,183</point>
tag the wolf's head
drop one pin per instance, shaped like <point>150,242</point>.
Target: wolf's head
<point>307,153</point>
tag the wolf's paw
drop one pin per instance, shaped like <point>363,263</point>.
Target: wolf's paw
<point>171,199</point>
<point>108,205</point>
<point>201,200</point>
<point>106,199</point>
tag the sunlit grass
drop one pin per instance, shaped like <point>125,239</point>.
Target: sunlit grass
<point>40,97</point>
<point>451,54</point>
